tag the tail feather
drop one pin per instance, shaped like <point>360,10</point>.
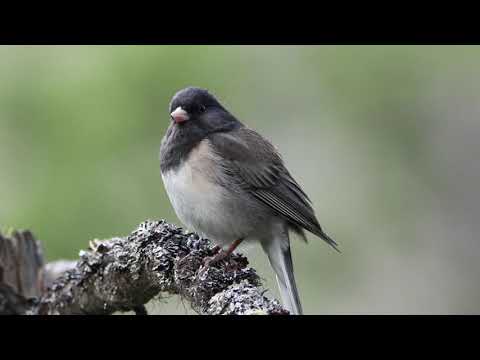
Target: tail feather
<point>281,260</point>
<point>327,239</point>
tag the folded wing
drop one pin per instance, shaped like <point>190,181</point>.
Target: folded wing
<point>255,165</point>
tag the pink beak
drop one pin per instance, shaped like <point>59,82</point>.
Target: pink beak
<point>179,115</point>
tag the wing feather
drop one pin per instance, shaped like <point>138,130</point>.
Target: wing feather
<point>262,174</point>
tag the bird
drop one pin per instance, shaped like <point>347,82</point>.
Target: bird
<point>229,184</point>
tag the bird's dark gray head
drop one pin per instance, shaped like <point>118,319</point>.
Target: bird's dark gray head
<point>193,100</point>
<point>195,108</point>
<point>195,114</point>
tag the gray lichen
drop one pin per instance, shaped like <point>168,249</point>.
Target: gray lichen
<point>122,274</point>
<point>243,299</point>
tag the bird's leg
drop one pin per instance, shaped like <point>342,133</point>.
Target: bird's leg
<point>222,254</point>
<point>215,250</point>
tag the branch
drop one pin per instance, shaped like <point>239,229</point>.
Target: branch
<point>122,274</point>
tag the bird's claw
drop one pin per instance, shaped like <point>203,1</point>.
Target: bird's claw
<point>208,261</point>
<point>216,249</point>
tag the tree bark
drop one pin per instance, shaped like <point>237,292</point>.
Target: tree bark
<point>123,274</point>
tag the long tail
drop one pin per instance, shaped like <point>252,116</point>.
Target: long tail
<point>278,252</point>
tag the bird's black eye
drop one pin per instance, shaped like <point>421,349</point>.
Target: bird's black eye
<point>203,108</point>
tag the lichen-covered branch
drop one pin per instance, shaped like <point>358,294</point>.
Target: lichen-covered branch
<point>122,274</point>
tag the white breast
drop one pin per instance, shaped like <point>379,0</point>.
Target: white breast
<point>200,203</point>
<point>190,192</point>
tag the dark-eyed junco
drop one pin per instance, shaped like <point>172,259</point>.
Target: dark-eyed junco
<point>229,184</point>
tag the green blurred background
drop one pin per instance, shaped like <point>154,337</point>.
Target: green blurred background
<point>385,139</point>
